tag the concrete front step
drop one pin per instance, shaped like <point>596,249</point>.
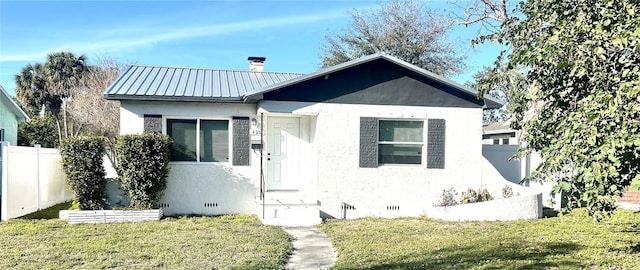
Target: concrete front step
<point>288,212</point>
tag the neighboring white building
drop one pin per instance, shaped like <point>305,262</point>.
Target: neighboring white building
<point>500,133</point>
<point>374,136</point>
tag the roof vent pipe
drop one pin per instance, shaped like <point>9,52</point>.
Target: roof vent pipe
<point>256,63</point>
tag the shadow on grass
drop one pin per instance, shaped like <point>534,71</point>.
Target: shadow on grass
<point>549,212</point>
<point>635,249</point>
<point>510,256</point>
<point>48,213</point>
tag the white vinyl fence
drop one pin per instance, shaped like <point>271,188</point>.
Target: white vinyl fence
<point>514,170</point>
<point>32,179</point>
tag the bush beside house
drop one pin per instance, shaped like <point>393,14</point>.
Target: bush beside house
<point>82,163</point>
<point>143,167</point>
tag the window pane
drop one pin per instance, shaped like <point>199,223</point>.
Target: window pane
<point>401,131</point>
<point>183,133</point>
<point>399,154</point>
<point>214,140</point>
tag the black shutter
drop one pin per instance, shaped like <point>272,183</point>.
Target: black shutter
<point>152,123</point>
<point>435,143</point>
<point>368,142</point>
<point>241,141</point>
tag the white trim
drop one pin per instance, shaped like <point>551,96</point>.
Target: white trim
<point>423,156</point>
<point>229,120</point>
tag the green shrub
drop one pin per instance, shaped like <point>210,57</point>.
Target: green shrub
<point>448,197</point>
<point>82,162</point>
<point>143,167</point>
<point>40,130</point>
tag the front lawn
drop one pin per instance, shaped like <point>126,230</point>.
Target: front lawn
<point>233,241</point>
<point>572,241</point>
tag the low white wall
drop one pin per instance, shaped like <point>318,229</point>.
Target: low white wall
<point>109,216</point>
<point>33,179</point>
<point>514,208</point>
<point>526,203</point>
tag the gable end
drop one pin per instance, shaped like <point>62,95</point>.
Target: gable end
<point>378,82</point>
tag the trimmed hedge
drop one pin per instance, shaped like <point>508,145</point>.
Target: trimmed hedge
<point>82,162</point>
<point>143,167</point>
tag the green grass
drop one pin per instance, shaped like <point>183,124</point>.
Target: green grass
<point>49,213</point>
<point>572,241</point>
<point>226,242</point>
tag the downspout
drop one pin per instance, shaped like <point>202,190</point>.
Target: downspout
<point>262,184</point>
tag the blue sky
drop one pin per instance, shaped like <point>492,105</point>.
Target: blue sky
<point>207,34</point>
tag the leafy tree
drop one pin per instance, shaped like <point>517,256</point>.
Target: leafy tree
<point>582,60</point>
<point>40,130</point>
<point>508,84</point>
<point>404,29</point>
<point>491,15</point>
<point>89,112</point>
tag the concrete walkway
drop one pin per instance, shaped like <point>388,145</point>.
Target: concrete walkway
<point>312,249</point>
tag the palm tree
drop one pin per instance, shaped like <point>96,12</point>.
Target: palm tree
<point>47,86</point>
<point>31,87</point>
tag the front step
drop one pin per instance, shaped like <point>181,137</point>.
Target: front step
<point>288,212</point>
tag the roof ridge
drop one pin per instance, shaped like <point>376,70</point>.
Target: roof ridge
<point>213,69</point>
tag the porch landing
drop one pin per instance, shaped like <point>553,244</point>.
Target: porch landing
<point>288,212</point>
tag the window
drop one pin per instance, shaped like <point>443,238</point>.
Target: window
<point>1,134</point>
<point>505,141</point>
<point>496,141</point>
<point>199,140</point>
<point>400,142</point>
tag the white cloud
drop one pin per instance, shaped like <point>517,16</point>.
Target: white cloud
<point>171,34</point>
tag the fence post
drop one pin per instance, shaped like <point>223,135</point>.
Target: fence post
<point>4,154</point>
<point>38,174</point>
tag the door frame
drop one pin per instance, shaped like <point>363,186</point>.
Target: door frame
<point>267,142</point>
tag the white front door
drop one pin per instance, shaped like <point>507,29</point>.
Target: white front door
<point>283,153</point>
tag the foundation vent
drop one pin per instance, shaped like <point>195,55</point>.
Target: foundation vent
<point>393,207</point>
<point>211,204</point>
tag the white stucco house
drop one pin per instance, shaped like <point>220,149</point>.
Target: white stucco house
<point>375,136</point>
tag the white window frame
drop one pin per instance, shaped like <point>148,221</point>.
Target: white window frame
<point>423,156</point>
<point>198,119</point>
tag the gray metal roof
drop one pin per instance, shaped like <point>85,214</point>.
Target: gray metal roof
<point>190,84</point>
<point>490,102</point>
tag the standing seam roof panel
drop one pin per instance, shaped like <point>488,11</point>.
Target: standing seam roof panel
<point>137,85</point>
<point>233,88</point>
<point>164,82</point>
<point>118,87</point>
<point>153,81</point>
<point>191,83</point>
<point>224,84</point>
<point>126,88</point>
<point>216,86</point>
<point>157,80</point>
